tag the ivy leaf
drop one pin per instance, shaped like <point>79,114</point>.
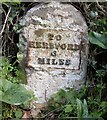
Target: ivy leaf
<point>15,94</point>
<point>98,39</point>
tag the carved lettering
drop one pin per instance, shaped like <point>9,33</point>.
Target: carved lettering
<point>49,61</point>
<point>53,48</point>
<point>76,47</point>
<point>63,46</point>
<point>61,62</point>
<point>53,53</point>
<point>70,47</point>
<point>32,44</point>
<point>57,46</point>
<point>45,45</point>
<point>50,36</point>
<point>38,44</point>
<point>58,37</point>
<point>54,62</point>
<point>51,45</point>
<point>68,62</point>
<point>41,60</point>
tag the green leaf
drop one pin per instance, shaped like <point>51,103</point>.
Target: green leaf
<point>96,114</point>
<point>18,113</point>
<point>103,104</point>
<point>71,96</point>
<point>98,39</point>
<point>79,108</point>
<point>14,94</point>
<point>5,86</point>
<point>59,95</point>
<point>68,108</point>
<point>12,1</point>
<point>85,109</point>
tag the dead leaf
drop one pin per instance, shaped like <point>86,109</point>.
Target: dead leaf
<point>27,114</point>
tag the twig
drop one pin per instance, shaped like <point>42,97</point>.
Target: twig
<point>50,112</point>
<point>45,96</point>
<point>5,21</point>
<point>101,7</point>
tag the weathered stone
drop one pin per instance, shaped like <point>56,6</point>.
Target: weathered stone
<point>57,45</point>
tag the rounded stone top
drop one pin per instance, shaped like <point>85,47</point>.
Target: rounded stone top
<point>55,15</point>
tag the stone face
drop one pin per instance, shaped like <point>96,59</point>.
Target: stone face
<point>56,46</point>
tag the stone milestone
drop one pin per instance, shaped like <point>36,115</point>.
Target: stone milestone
<point>56,48</point>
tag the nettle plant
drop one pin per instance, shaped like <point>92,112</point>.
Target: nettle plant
<point>98,51</point>
<point>11,91</point>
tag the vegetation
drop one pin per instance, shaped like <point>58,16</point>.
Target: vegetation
<point>88,102</point>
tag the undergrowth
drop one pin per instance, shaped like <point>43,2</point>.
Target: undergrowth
<point>88,102</point>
